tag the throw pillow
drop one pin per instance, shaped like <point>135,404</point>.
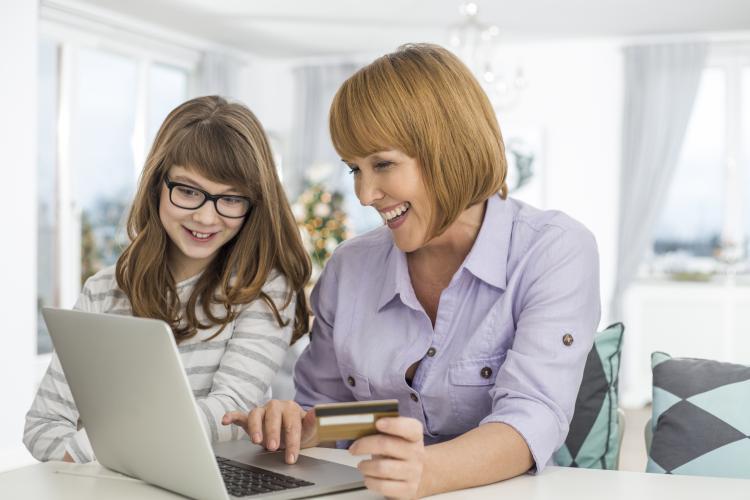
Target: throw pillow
<point>593,440</point>
<point>700,422</point>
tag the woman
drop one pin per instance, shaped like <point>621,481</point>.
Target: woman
<point>215,252</point>
<point>472,309</point>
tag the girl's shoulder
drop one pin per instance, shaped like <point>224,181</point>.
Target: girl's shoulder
<point>100,293</point>
<point>101,282</point>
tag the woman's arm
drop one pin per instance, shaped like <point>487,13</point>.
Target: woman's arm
<point>534,393</point>
<point>490,453</point>
<point>403,468</point>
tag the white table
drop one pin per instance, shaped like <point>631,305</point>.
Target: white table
<point>63,481</point>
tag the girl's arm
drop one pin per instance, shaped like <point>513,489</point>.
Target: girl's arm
<point>53,430</point>
<point>253,355</point>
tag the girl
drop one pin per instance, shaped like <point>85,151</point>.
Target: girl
<point>215,252</point>
<point>474,310</point>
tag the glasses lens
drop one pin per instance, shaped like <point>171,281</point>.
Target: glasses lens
<point>232,206</point>
<point>185,197</point>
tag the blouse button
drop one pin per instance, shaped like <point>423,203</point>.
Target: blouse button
<point>567,339</point>
<point>350,381</point>
<point>431,351</point>
<point>413,397</point>
<point>486,372</point>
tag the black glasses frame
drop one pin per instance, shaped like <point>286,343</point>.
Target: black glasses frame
<point>207,197</point>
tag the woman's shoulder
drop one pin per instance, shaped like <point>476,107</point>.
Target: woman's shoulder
<point>534,224</point>
<point>365,248</point>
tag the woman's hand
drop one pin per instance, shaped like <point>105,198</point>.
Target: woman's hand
<point>264,425</point>
<point>68,458</point>
<point>398,457</point>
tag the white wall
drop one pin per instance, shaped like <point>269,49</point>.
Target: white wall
<point>18,67</point>
<point>574,96</point>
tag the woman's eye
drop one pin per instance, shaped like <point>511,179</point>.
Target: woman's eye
<point>353,170</point>
<point>383,164</point>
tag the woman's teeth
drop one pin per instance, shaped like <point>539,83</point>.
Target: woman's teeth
<point>392,214</point>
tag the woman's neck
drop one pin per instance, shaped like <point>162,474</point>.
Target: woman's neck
<point>444,254</point>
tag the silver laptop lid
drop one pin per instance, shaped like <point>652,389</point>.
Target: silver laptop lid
<point>135,360</point>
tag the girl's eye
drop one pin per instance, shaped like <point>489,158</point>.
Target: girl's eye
<point>353,170</point>
<point>186,191</point>
<point>230,200</point>
<point>383,164</point>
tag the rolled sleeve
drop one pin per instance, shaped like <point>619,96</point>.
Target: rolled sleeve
<point>536,387</point>
<point>316,375</point>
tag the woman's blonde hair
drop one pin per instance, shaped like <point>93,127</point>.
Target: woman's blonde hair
<point>225,143</point>
<point>423,101</point>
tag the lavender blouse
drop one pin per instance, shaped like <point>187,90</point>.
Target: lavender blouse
<point>510,340</point>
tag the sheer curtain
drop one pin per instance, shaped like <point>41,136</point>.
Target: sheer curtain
<point>311,154</point>
<point>661,83</point>
<point>310,144</point>
<point>218,74</point>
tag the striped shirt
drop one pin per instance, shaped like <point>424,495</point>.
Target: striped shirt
<point>232,371</point>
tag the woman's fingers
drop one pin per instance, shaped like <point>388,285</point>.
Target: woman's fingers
<point>386,468</point>
<point>398,455</point>
<point>309,436</point>
<point>397,439</point>
<point>255,424</point>
<point>409,429</point>
<point>235,418</point>
<point>292,434</point>
<point>272,425</point>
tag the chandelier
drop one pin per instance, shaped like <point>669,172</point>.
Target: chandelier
<point>475,43</point>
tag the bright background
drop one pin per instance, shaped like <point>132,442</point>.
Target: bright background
<point>85,85</point>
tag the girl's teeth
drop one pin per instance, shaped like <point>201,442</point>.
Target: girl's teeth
<point>200,235</point>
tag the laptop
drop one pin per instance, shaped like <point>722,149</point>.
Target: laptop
<point>135,401</point>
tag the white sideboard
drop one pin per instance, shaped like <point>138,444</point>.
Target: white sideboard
<point>687,319</point>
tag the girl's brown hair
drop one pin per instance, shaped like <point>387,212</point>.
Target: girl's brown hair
<point>423,101</point>
<point>225,143</point>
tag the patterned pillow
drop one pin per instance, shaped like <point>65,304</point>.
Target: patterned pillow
<point>593,440</point>
<point>700,422</point>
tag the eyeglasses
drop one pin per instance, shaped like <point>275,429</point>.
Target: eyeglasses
<point>192,198</point>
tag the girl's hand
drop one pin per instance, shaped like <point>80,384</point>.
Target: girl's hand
<point>68,458</point>
<point>264,425</point>
<point>398,457</point>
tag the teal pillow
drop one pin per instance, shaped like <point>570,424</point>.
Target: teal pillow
<point>593,440</point>
<point>700,421</point>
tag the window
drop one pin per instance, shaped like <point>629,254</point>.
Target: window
<point>103,169</point>
<point>46,196</point>
<point>704,225</point>
<point>99,110</point>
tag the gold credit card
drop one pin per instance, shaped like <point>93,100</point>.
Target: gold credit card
<point>344,421</point>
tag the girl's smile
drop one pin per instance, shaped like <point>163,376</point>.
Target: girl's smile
<point>196,235</point>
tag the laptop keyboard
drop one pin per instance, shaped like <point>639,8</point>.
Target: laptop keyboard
<point>244,480</point>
